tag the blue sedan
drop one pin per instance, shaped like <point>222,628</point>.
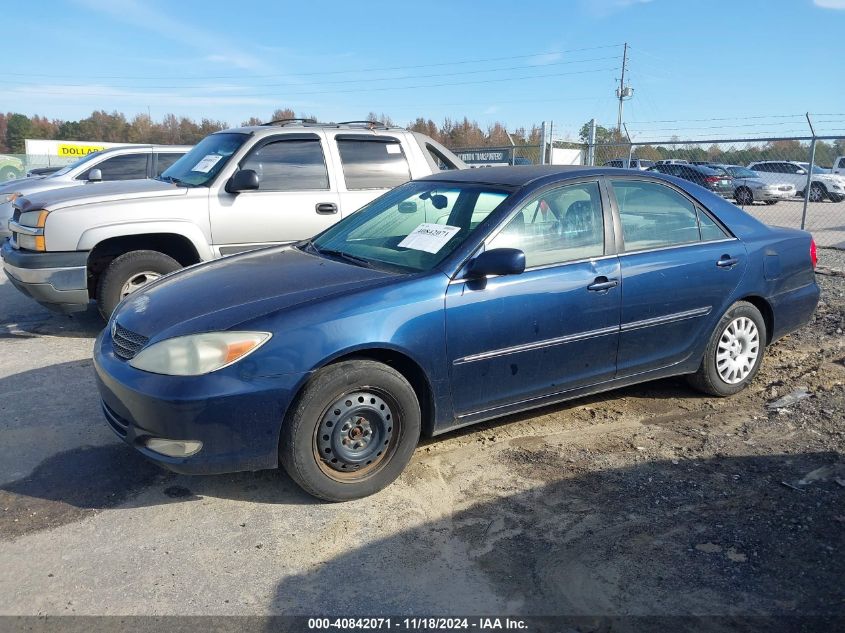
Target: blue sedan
<point>457,298</point>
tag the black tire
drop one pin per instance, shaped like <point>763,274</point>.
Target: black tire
<point>708,378</point>
<point>743,196</point>
<point>9,173</point>
<point>817,192</point>
<point>771,202</point>
<point>124,269</point>
<point>336,398</point>
<point>835,197</point>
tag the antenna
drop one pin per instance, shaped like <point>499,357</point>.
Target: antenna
<point>623,92</point>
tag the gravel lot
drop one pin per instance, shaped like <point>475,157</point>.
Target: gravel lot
<point>649,500</point>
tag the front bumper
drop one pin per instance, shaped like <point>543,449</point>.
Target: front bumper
<point>236,415</point>
<point>58,281</point>
<point>764,195</point>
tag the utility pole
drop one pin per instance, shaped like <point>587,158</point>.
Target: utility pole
<point>623,92</point>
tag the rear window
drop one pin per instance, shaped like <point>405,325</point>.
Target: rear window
<point>369,164</point>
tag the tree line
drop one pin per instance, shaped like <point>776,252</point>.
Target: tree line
<point>114,127</point>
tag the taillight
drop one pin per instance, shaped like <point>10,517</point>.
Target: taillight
<point>712,178</point>
<point>814,258</point>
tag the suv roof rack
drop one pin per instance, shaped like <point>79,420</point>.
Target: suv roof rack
<point>367,123</point>
<point>286,121</point>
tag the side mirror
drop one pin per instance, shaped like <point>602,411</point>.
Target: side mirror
<point>95,175</point>
<point>242,180</point>
<point>498,261</point>
<point>801,172</point>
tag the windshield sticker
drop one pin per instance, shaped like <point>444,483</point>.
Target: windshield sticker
<point>429,237</point>
<point>205,165</point>
<point>393,148</point>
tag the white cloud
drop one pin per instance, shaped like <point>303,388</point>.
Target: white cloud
<point>99,94</point>
<point>157,21</point>
<point>830,4</point>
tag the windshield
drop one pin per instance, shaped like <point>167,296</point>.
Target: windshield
<point>742,172</point>
<point>198,167</point>
<point>75,163</point>
<point>411,228</point>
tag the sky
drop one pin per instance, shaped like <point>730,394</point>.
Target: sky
<point>710,69</point>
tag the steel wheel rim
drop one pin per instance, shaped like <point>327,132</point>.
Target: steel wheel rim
<point>738,350</point>
<point>357,434</point>
<point>137,281</point>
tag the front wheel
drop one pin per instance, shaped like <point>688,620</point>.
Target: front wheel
<point>771,202</point>
<point>734,352</point>
<point>835,197</point>
<point>743,196</point>
<point>817,192</point>
<point>352,430</point>
<point>128,273</point>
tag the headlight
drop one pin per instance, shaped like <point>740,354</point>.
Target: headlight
<point>31,242</point>
<point>199,353</point>
<point>35,219</point>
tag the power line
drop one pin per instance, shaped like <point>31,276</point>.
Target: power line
<point>319,92</point>
<point>336,72</point>
<point>340,81</point>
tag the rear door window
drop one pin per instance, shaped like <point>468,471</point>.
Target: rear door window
<point>654,215</point>
<point>165,160</point>
<point>370,163</point>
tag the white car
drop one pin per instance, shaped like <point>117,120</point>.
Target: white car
<point>839,166</point>
<point>237,190</point>
<point>116,163</point>
<point>750,188</point>
<point>822,184</point>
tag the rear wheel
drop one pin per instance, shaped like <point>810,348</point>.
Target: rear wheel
<point>771,202</point>
<point>351,431</point>
<point>734,352</point>
<point>835,197</point>
<point>743,196</point>
<point>128,273</point>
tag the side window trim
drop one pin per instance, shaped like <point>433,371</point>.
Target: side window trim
<point>617,219</point>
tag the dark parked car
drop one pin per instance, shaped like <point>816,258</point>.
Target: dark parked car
<point>452,299</point>
<point>716,180</point>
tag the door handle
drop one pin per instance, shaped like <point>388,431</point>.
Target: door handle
<point>602,283</point>
<point>326,208</point>
<point>726,261</point>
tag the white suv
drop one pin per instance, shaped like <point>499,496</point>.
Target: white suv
<point>116,163</point>
<point>237,190</point>
<point>823,185</point>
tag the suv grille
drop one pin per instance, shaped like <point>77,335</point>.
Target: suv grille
<point>127,343</point>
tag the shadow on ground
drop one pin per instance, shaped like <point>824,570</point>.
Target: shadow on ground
<point>715,536</point>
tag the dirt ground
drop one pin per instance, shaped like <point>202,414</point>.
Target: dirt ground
<point>651,500</point>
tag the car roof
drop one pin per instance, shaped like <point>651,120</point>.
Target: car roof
<point>299,126</point>
<point>518,176</point>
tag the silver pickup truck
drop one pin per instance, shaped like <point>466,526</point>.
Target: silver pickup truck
<point>116,163</point>
<point>236,190</point>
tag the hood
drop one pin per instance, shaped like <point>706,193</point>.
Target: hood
<point>220,294</point>
<point>94,192</point>
<point>11,186</point>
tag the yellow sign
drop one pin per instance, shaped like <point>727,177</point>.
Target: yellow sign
<point>69,150</point>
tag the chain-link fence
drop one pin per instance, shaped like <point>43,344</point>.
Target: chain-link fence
<point>797,182</point>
